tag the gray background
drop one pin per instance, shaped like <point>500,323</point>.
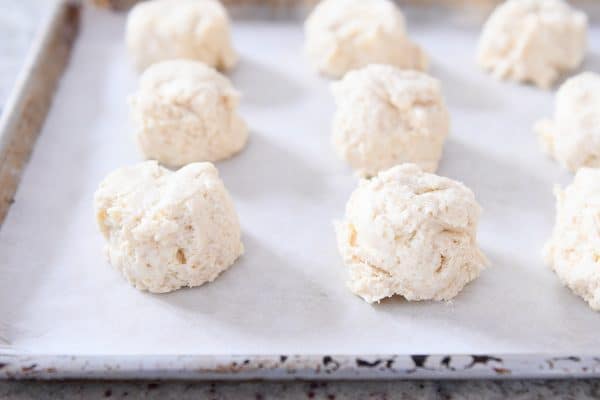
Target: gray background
<point>304,390</point>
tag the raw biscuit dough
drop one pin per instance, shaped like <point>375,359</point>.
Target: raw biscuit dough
<point>166,230</point>
<point>410,233</point>
<point>185,111</point>
<point>533,41</point>
<point>386,116</point>
<point>573,252</point>
<point>573,136</point>
<point>159,30</point>
<point>342,35</point>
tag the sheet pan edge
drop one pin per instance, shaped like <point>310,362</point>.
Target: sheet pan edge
<point>61,32</point>
<point>284,367</point>
<point>26,108</point>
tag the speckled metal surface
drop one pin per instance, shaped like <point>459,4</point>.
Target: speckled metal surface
<point>283,367</point>
<point>357,390</point>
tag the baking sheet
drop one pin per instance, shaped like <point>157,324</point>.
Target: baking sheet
<point>286,295</point>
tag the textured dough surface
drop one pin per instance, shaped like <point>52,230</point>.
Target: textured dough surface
<point>410,233</point>
<point>533,41</point>
<point>386,116</point>
<point>159,30</point>
<point>166,230</point>
<point>185,111</point>
<point>573,136</point>
<point>573,251</point>
<point>342,35</point>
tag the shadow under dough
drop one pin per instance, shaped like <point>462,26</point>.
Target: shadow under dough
<point>266,282</point>
<point>263,86</point>
<point>497,184</point>
<point>257,172</point>
<point>464,92</point>
<point>591,62</point>
<point>504,297</point>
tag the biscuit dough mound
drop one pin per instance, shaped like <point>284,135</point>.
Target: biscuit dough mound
<point>386,116</point>
<point>185,111</point>
<point>410,233</point>
<point>166,230</point>
<point>573,251</point>
<point>533,41</point>
<point>342,35</point>
<point>573,136</point>
<point>159,30</point>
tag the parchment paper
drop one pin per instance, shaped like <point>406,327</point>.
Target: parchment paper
<point>287,294</point>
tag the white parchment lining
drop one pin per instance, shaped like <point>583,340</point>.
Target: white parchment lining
<point>287,294</point>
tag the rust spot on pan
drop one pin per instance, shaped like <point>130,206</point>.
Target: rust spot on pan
<point>483,359</point>
<point>29,368</point>
<point>502,371</point>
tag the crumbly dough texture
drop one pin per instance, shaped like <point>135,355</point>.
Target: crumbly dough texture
<point>410,233</point>
<point>342,35</point>
<point>185,111</point>
<point>573,136</point>
<point>533,41</point>
<point>159,30</point>
<point>166,230</point>
<point>573,251</point>
<point>386,116</point>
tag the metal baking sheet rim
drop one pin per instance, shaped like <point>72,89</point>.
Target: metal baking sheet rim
<point>284,367</point>
<point>60,30</point>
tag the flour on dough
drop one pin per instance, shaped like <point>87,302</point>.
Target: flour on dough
<point>572,137</point>
<point>342,35</point>
<point>533,41</point>
<point>410,233</point>
<point>386,116</point>
<point>573,251</point>
<point>159,30</point>
<point>166,230</point>
<point>185,111</point>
